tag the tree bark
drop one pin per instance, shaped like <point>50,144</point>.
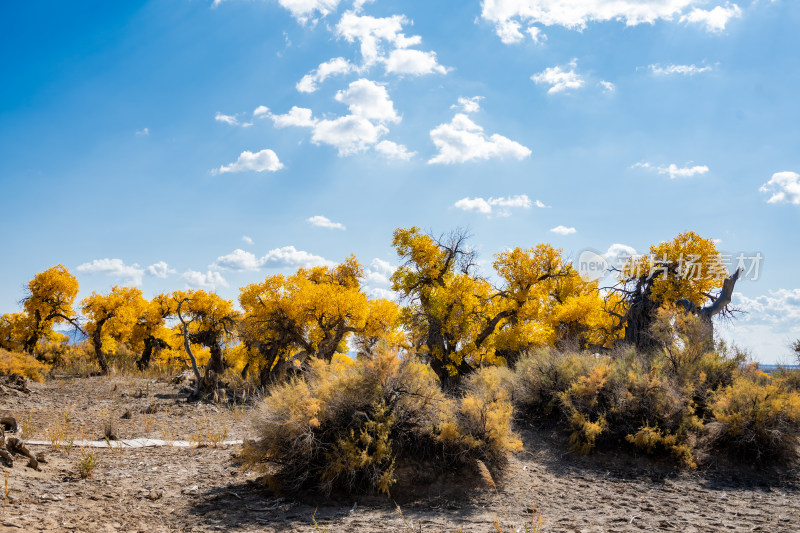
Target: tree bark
<point>97,342</point>
<point>188,347</point>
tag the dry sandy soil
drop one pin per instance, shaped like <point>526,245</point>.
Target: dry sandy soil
<point>203,489</point>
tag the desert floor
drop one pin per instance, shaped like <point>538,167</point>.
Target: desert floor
<point>202,488</point>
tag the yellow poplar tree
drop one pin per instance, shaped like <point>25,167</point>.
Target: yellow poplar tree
<point>682,271</point>
<point>111,319</point>
<point>312,313</point>
<point>49,299</point>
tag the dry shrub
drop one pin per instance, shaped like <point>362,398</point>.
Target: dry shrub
<point>542,375</point>
<point>22,364</point>
<point>348,425</point>
<point>756,417</point>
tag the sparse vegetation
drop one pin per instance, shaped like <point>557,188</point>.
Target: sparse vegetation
<point>348,425</point>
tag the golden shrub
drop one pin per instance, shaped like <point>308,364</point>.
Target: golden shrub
<point>22,364</point>
<point>346,425</point>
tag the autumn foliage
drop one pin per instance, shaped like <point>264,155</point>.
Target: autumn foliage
<point>359,388</point>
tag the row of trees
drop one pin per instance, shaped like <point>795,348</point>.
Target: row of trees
<point>449,315</point>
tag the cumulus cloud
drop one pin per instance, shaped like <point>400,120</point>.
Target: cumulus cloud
<point>370,100</point>
<point>559,78</point>
<point>468,105</point>
<point>237,260</point>
<point>160,270</point>
<point>683,70</point>
<point>288,256</point>
<point>486,206</point>
<point>509,16</point>
<point>375,33</point>
<point>246,239</point>
<point>210,280</point>
<point>784,188</point>
<point>334,67</point>
<point>608,86</point>
<point>715,19</point>
<point>115,268</point>
<point>392,150</point>
<point>780,307</point>
<point>674,171</point>
<point>372,32</point>
<point>413,62</point>
<point>324,222</point>
<point>563,230</point>
<point>377,279</point>
<point>305,10</point>
<point>297,116</point>
<point>350,134</point>
<point>462,140</point>
<point>261,111</point>
<point>370,107</point>
<point>258,162</point>
<point>231,120</point>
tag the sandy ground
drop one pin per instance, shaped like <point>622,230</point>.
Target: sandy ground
<point>203,489</point>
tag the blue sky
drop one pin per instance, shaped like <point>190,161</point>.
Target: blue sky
<point>208,144</point>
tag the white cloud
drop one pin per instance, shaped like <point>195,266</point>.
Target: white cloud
<point>247,240</point>
<point>486,206</point>
<point>468,105</point>
<point>509,15</point>
<point>780,307</point>
<point>350,134</point>
<point>715,19</point>
<point>536,34</point>
<point>474,204</point>
<point>226,119</point>
<point>160,270</point>
<point>414,62</point>
<point>541,205</point>
<point>303,10</point>
<point>563,230</point>
<point>392,150</point>
<point>608,86</point>
<point>237,260</point>
<point>115,268</point>
<point>380,293</point>
<point>784,187</point>
<point>617,254</point>
<point>258,162</point>
<point>509,33</point>
<point>674,171</point>
<point>370,100</point>
<point>144,132</point>
<point>462,140</point>
<point>684,70</point>
<point>297,116</point>
<point>261,111</point>
<point>210,280</point>
<point>377,279</point>
<point>289,256</point>
<point>334,67</point>
<point>559,79</point>
<point>372,31</point>
<point>324,222</point>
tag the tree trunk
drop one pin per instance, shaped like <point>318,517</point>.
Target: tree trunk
<point>707,313</point>
<point>152,345</point>
<point>188,347</point>
<point>97,341</point>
